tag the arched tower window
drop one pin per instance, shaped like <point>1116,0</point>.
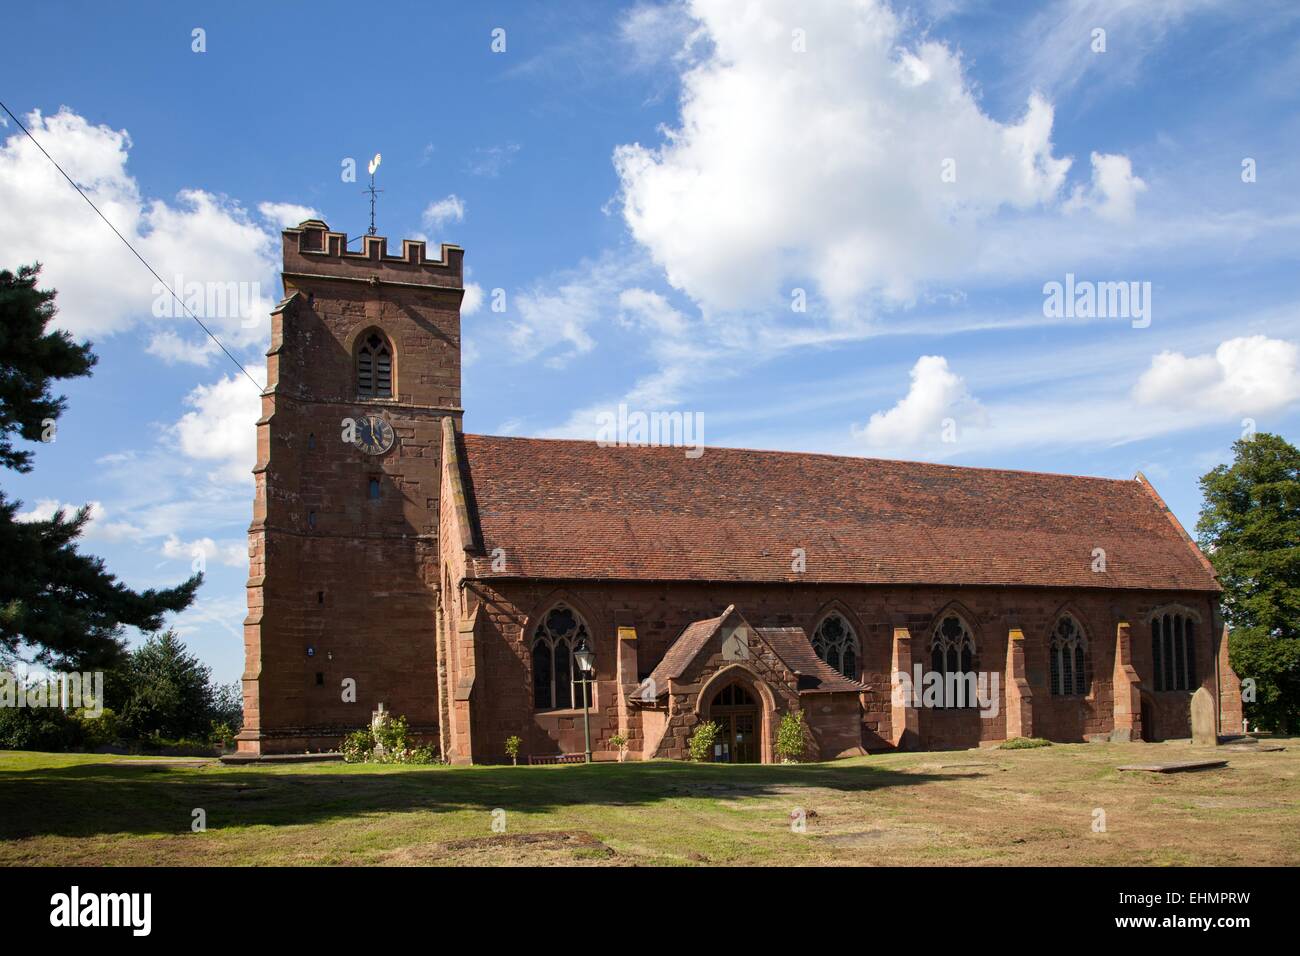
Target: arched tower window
<point>374,365</point>
<point>556,678</point>
<point>835,643</point>
<point>1068,651</point>
<point>1173,651</point>
<point>952,655</point>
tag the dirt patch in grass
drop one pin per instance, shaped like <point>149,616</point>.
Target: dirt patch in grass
<point>566,848</point>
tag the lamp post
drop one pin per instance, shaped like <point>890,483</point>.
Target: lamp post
<point>586,666</point>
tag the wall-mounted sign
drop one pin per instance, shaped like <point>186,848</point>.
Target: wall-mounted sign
<point>627,633</point>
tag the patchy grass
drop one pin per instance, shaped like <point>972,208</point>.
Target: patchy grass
<point>1024,743</point>
<point>981,806</point>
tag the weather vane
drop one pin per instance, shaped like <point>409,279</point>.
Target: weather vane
<point>374,164</point>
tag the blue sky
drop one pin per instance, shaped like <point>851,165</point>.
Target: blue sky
<point>652,186</point>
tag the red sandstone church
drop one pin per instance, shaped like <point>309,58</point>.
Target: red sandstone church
<point>454,577</point>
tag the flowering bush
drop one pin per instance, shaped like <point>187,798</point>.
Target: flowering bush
<point>358,746</point>
<point>386,743</point>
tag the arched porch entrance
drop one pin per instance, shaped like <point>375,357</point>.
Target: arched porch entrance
<point>736,712</point>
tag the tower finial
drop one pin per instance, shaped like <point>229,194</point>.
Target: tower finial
<point>374,164</point>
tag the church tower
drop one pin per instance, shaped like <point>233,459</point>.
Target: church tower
<point>363,368</point>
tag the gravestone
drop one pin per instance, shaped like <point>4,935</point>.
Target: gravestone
<point>1204,733</point>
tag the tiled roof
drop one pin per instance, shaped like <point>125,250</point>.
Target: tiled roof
<point>575,510</point>
<point>790,644</point>
<point>815,675</point>
<point>683,650</point>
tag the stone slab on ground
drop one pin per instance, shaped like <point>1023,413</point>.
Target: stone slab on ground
<point>239,759</point>
<point>1175,767</point>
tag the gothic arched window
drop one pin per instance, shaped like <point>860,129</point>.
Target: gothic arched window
<point>952,655</point>
<point>1068,651</point>
<point>557,680</point>
<point>374,366</point>
<point>836,644</point>
<point>1173,651</point>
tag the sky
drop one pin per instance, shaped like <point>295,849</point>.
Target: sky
<point>861,228</point>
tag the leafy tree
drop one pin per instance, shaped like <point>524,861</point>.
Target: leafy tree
<point>62,606</point>
<point>228,704</point>
<point>1250,528</point>
<point>171,694</point>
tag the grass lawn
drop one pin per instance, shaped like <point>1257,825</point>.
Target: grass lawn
<point>1033,806</point>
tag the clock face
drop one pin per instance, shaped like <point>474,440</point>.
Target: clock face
<point>374,435</point>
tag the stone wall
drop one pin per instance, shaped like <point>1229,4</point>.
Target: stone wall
<point>659,612</point>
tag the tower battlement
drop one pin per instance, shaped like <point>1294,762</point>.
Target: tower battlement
<point>312,249</point>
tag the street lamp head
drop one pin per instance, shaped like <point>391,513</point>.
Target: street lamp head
<point>585,658</point>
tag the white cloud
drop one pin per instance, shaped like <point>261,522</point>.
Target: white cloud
<point>651,312</point>
<point>448,209</point>
<point>102,287</point>
<point>221,427</point>
<point>174,349</point>
<point>488,161</point>
<point>656,32</point>
<point>225,612</point>
<point>826,165</point>
<point>936,394</point>
<point>683,357</point>
<point>1114,189</point>
<point>473,300</point>
<point>233,554</point>
<point>286,214</point>
<point>1056,52</point>
<point>98,528</point>
<point>552,316</point>
<point>1247,375</point>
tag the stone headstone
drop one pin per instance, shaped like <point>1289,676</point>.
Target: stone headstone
<point>1204,732</point>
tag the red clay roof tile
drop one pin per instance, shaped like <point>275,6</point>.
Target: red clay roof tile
<point>575,510</point>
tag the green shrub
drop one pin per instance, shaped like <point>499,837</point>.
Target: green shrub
<point>390,733</point>
<point>791,738</point>
<point>620,741</point>
<point>701,745</point>
<point>512,748</point>
<point>1024,743</point>
<point>38,728</point>
<point>222,733</point>
<point>101,731</point>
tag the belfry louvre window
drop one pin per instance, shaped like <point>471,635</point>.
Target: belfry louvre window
<point>836,644</point>
<point>952,655</point>
<point>1068,653</point>
<point>374,367</point>
<point>1173,651</point>
<point>557,683</point>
